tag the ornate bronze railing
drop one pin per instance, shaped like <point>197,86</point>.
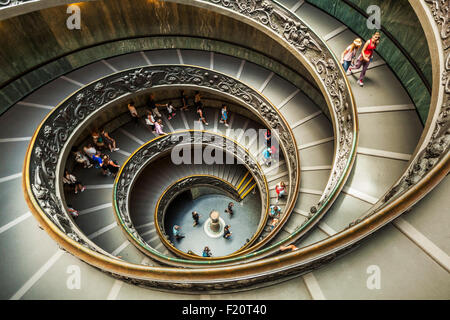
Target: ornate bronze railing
<point>163,145</point>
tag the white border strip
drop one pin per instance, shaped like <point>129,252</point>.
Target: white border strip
<point>395,107</point>
<point>266,82</point>
<point>180,57</point>
<point>96,208</point>
<point>102,231</point>
<point>316,168</point>
<point>146,58</point>
<point>315,143</point>
<point>109,65</point>
<point>15,139</point>
<point>38,275</point>
<point>335,32</point>
<point>383,154</point>
<point>306,119</point>
<point>99,186</point>
<point>18,220</point>
<point>72,81</point>
<point>241,67</point>
<point>11,177</point>
<point>131,136</point>
<point>297,5</point>
<point>34,105</point>
<point>359,195</point>
<point>289,98</point>
<point>313,287</point>
<point>436,253</point>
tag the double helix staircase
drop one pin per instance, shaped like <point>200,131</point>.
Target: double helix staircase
<point>411,249</point>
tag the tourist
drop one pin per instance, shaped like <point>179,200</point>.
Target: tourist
<point>366,56</point>
<point>81,158</point>
<point>184,101</point>
<point>227,232</point>
<point>197,99</point>
<point>291,247</point>
<point>158,128</point>
<point>98,140</point>
<point>201,115</point>
<point>89,150</point>
<point>273,223</point>
<point>274,211</point>
<point>110,142</point>
<point>268,137</point>
<point>229,210</point>
<point>74,213</point>
<point>196,217</point>
<point>97,159</point>
<point>113,166</point>
<point>280,189</point>
<point>206,252</point>
<point>150,120</point>
<point>104,165</point>
<point>177,232</point>
<point>72,181</point>
<point>170,111</point>
<point>349,54</point>
<point>133,112</point>
<point>154,106</point>
<point>267,156</point>
<point>224,115</point>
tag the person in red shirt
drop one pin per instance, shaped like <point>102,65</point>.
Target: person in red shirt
<point>280,189</point>
<point>366,56</point>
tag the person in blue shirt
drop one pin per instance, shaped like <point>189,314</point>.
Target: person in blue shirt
<point>227,232</point>
<point>267,154</point>
<point>274,211</point>
<point>224,116</point>
<point>177,232</point>
<point>97,159</point>
<point>206,252</point>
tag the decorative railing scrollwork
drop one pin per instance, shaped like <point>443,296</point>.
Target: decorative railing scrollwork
<point>54,136</point>
<point>330,77</point>
<point>162,145</point>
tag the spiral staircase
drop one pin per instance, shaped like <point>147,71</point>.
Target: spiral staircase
<point>343,228</point>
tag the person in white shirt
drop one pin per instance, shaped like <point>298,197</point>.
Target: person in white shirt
<point>90,150</point>
<point>349,54</point>
<point>71,180</point>
<point>150,120</point>
<point>133,112</point>
<point>158,128</point>
<point>170,111</point>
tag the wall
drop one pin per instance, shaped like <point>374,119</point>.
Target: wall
<point>37,47</point>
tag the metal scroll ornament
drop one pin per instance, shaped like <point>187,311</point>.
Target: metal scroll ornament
<point>156,147</point>
<point>298,35</point>
<point>50,140</point>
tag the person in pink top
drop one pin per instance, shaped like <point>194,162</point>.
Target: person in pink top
<point>158,128</point>
<point>349,54</point>
<point>366,56</point>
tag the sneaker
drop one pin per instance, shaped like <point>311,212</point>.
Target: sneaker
<point>206,124</point>
<point>361,84</point>
<point>82,189</point>
<point>76,192</point>
<point>116,149</point>
<point>349,72</point>
<point>226,125</point>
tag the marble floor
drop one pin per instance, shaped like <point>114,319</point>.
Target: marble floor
<point>243,223</point>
